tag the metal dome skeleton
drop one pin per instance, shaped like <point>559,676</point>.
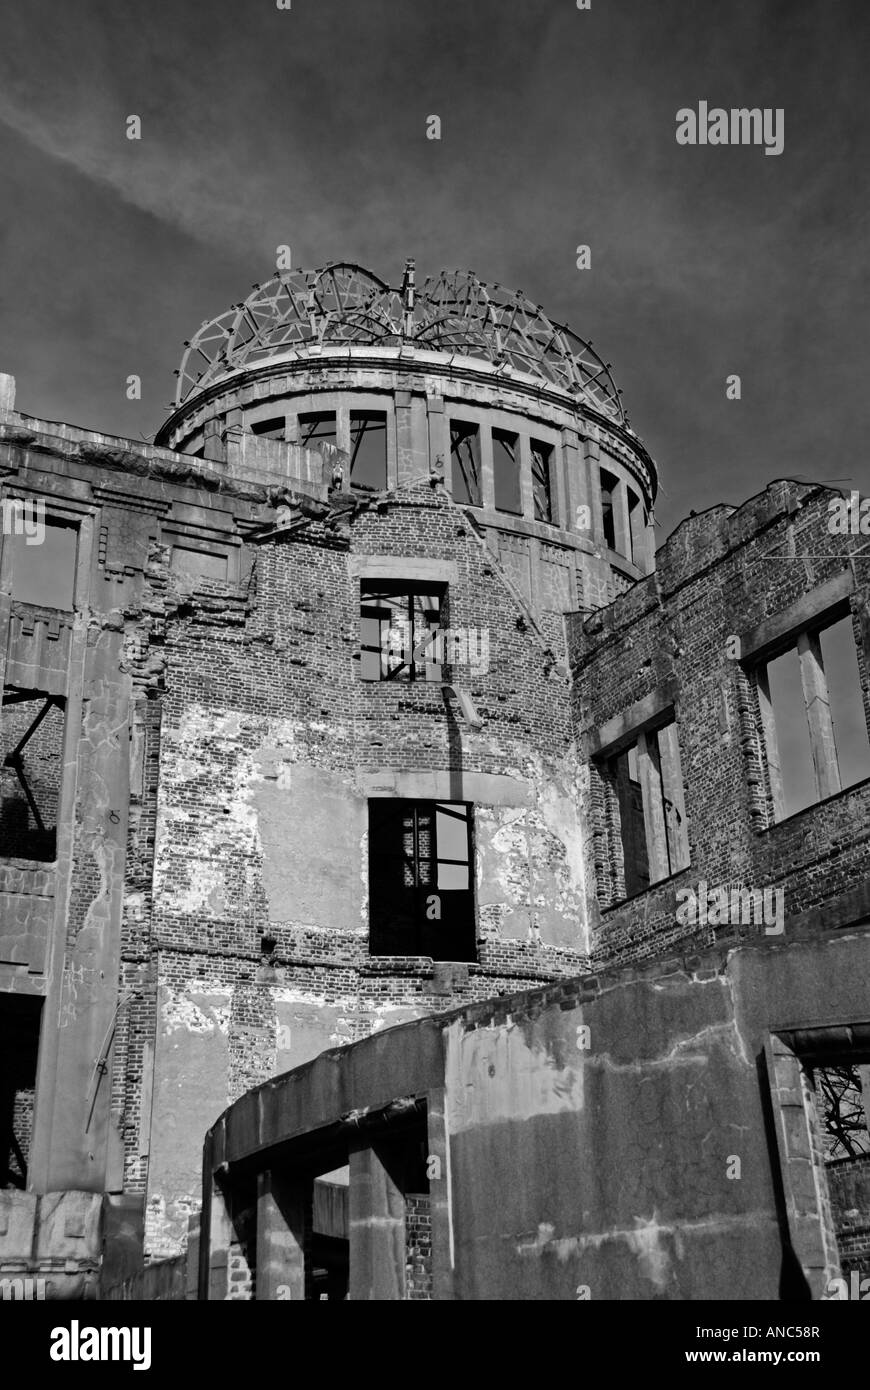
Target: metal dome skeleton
<point>454,312</point>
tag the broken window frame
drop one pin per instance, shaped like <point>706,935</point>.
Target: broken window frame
<point>363,421</point>
<point>399,911</point>
<point>806,642</point>
<point>659,779</point>
<point>506,456</point>
<point>313,428</point>
<point>54,521</point>
<point>274,428</point>
<point>413,597</point>
<point>466,461</point>
<point>542,459</point>
<point>13,695</point>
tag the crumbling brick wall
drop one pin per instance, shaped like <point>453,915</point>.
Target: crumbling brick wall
<point>720,574</point>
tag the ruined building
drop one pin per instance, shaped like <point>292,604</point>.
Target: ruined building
<point>360,697</point>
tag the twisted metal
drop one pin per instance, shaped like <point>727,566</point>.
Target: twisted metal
<point>454,312</point>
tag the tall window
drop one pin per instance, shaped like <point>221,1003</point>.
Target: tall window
<point>317,427</point>
<point>653,833</point>
<point>812,718</point>
<point>542,479</point>
<point>400,631</point>
<point>368,449</point>
<point>506,472</point>
<point>421,890</point>
<point>609,484</point>
<point>465,462</point>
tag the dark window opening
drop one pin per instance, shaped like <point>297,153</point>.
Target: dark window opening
<point>44,573</point>
<point>842,1097</point>
<point>368,449</point>
<point>542,479</point>
<point>653,831</point>
<point>636,524</point>
<point>609,484</point>
<point>270,429</point>
<point>317,427</point>
<point>421,889</point>
<point>506,472</point>
<point>465,462</point>
<point>329,1252</point>
<point>19,1048</point>
<point>30,775</point>
<point>813,721</point>
<point>399,631</point>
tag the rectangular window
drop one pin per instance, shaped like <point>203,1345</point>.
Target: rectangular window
<point>465,462</point>
<point>542,479</point>
<point>506,472</point>
<point>609,484</point>
<point>44,574</point>
<point>368,450</point>
<point>812,718</point>
<point>270,429</point>
<point>648,784</point>
<point>19,1048</point>
<point>317,427</point>
<point>421,884</point>
<point>399,631</point>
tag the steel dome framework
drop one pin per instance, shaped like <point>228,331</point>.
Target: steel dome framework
<point>454,312</point>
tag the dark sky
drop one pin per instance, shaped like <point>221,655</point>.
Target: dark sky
<point>307,127</point>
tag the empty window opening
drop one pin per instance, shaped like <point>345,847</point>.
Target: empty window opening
<point>465,462</point>
<point>609,484</point>
<point>506,472</point>
<point>648,783</point>
<point>30,776</point>
<point>813,722</point>
<point>421,889</point>
<point>317,427</point>
<point>842,1098</point>
<point>542,480</point>
<point>19,1048</point>
<point>270,429</point>
<point>634,539</point>
<point>368,449</point>
<point>44,574</point>
<point>329,1250</point>
<point>399,631</point>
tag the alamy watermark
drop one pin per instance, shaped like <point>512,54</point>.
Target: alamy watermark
<point>739,907</point>
<point>713,125</point>
<point>849,516</point>
<point>23,518</point>
<point>467,646</point>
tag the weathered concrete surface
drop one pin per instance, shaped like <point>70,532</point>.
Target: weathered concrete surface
<point>610,1142</point>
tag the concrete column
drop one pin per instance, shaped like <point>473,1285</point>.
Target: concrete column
<point>441,1215</point>
<point>216,1251</point>
<point>377,1228</point>
<point>281,1207</point>
<point>487,469</point>
<point>815,689</point>
<point>439,436</point>
<point>214,447</point>
<point>7,392</point>
<point>592,458</point>
<point>404,441</point>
